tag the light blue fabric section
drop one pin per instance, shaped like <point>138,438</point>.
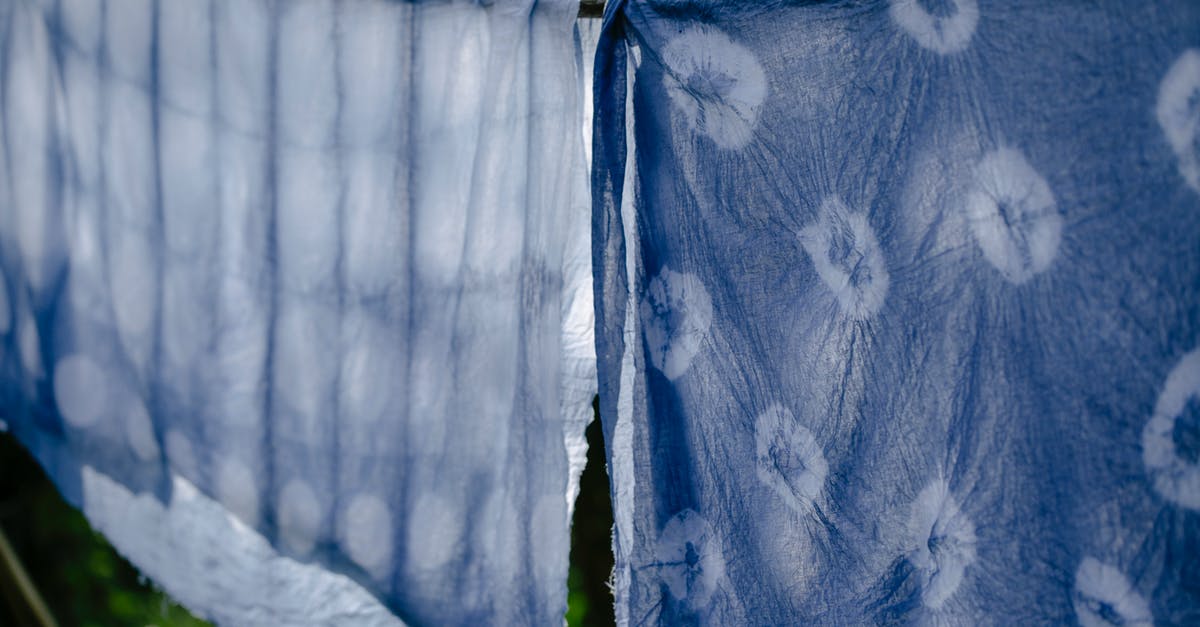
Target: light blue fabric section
<point>898,311</point>
<point>322,263</point>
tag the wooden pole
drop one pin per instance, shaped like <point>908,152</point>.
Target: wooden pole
<point>29,592</point>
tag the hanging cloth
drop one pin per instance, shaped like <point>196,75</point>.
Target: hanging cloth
<point>898,311</point>
<point>296,297</point>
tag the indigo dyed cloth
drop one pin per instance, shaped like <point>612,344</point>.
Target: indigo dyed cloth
<point>296,298</point>
<point>898,310</point>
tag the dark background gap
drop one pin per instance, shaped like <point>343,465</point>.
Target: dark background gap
<point>590,601</point>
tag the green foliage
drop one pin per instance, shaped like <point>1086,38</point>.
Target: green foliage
<point>78,574</point>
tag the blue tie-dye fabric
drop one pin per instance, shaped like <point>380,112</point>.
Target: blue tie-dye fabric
<point>296,296</point>
<point>899,310</point>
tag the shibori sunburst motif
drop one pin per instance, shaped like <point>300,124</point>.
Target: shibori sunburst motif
<point>1104,597</point>
<point>943,32</point>
<point>1171,439</point>
<point>847,256</point>
<point>942,541</point>
<point>716,84</point>
<point>789,461</point>
<point>690,559</point>
<point>676,314</point>
<point>1178,111</point>
<point>1013,216</point>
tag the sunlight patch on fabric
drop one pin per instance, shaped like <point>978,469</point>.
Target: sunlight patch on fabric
<point>81,390</point>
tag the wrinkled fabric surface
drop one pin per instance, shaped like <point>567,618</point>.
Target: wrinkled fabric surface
<point>296,297</point>
<point>899,310</point>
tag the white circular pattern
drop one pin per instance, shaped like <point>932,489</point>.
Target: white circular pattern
<point>33,226</point>
<point>299,517</point>
<point>848,258</point>
<point>367,533</point>
<point>81,390</point>
<point>942,542</point>
<point>715,83</point>
<point>1175,478</point>
<point>790,461</point>
<point>1104,598</point>
<point>237,490</point>
<point>676,314</point>
<point>1178,111</point>
<point>29,344</point>
<point>943,34</point>
<point>139,431</point>
<point>690,558</point>
<point>435,531</point>
<point>1013,216</point>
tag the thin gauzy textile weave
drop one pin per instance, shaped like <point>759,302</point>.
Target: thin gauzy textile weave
<point>297,300</point>
<point>899,311</point>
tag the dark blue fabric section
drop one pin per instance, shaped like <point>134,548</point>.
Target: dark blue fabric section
<point>910,329</point>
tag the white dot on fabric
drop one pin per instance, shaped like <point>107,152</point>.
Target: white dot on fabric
<point>789,459</point>
<point>942,541</point>
<point>1178,112</point>
<point>237,490</point>
<point>5,309</point>
<point>434,533</point>
<point>676,314</point>
<point>847,257</point>
<point>716,84</point>
<point>299,516</point>
<point>367,533</point>
<point>139,431</point>
<point>180,453</point>
<point>1013,216</point>
<point>690,559</point>
<point>29,344</point>
<point>1176,477</point>
<point>943,34</point>
<point>1103,597</point>
<point>81,390</point>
